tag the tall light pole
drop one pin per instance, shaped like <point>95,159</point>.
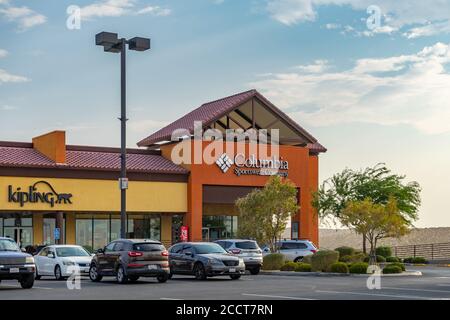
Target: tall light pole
<point>111,43</point>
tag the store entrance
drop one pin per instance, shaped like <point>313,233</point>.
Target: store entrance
<point>213,233</point>
<point>23,236</point>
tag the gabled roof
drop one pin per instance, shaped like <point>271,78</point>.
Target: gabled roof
<point>87,158</point>
<point>214,110</point>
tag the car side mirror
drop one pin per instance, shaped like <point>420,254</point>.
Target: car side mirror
<point>23,250</point>
<point>100,250</point>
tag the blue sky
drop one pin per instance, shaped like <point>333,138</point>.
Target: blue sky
<point>369,95</point>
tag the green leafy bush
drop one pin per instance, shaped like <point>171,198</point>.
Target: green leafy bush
<point>392,259</point>
<point>273,261</point>
<point>379,259</point>
<point>419,260</point>
<point>391,268</point>
<point>339,267</point>
<point>307,259</point>
<point>408,260</point>
<point>289,266</point>
<point>323,259</point>
<point>401,265</point>
<point>303,267</point>
<point>384,251</point>
<point>345,251</point>
<point>359,268</point>
<point>346,258</point>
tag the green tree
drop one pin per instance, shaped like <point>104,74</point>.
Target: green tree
<point>264,213</point>
<point>374,221</point>
<point>377,183</point>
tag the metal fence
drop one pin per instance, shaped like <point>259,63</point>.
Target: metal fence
<point>431,251</point>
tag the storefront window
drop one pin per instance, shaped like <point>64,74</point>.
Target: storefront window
<point>295,230</point>
<point>219,227</point>
<point>84,231</point>
<point>48,229</point>
<point>1,227</point>
<point>19,227</point>
<point>144,227</point>
<point>101,233</point>
<point>115,228</point>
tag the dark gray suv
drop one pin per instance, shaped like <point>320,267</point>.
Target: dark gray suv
<point>204,259</point>
<point>129,259</point>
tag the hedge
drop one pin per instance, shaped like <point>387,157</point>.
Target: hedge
<point>420,260</point>
<point>303,267</point>
<point>392,259</point>
<point>383,251</point>
<point>323,259</point>
<point>379,259</point>
<point>339,267</point>
<point>345,251</point>
<point>360,268</point>
<point>401,265</point>
<point>289,266</point>
<point>307,259</point>
<point>273,261</point>
<point>391,268</point>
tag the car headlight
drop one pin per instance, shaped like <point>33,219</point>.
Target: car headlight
<point>68,263</point>
<point>215,262</point>
<point>29,260</point>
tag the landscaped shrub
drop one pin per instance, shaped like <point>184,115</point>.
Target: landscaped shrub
<point>303,267</point>
<point>360,268</point>
<point>307,259</point>
<point>379,259</point>
<point>401,265</point>
<point>345,251</point>
<point>346,258</point>
<point>384,251</point>
<point>391,268</point>
<point>419,260</point>
<point>273,261</point>
<point>339,267</point>
<point>323,259</point>
<point>408,260</point>
<point>289,266</point>
<point>392,259</point>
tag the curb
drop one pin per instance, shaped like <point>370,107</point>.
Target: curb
<point>331,274</point>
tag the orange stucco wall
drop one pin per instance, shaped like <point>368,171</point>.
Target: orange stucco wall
<point>52,145</point>
<point>303,172</point>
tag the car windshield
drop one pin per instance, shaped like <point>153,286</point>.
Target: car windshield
<point>148,247</point>
<point>246,245</point>
<point>208,248</point>
<point>8,245</point>
<point>72,252</point>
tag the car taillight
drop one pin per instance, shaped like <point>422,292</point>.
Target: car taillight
<point>165,253</point>
<point>235,251</point>
<point>313,251</point>
<point>135,254</point>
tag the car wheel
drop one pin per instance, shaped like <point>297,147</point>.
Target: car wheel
<point>27,281</point>
<point>133,278</point>
<point>298,259</point>
<point>58,273</point>
<point>37,276</point>
<point>199,272</point>
<point>162,277</point>
<point>235,276</point>
<point>93,274</point>
<point>255,271</point>
<point>121,276</point>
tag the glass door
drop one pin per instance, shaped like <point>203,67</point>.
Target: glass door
<point>22,235</point>
<point>205,234</point>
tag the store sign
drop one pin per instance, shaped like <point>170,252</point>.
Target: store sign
<point>184,233</point>
<point>40,192</point>
<point>253,165</point>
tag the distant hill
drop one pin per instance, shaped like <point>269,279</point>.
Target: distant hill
<point>333,238</point>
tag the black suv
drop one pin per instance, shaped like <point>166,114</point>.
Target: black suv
<point>129,259</point>
<point>204,259</point>
<point>15,264</point>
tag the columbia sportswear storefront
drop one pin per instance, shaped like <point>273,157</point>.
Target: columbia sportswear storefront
<point>179,188</point>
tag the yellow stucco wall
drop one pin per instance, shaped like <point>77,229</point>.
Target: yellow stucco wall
<point>100,195</point>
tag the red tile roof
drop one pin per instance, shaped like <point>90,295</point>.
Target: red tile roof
<point>212,111</point>
<point>105,159</point>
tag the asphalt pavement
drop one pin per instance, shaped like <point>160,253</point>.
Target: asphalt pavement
<point>433,285</point>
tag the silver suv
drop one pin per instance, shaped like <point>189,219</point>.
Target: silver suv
<point>294,250</point>
<point>248,250</point>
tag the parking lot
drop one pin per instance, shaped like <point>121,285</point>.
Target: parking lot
<point>434,284</point>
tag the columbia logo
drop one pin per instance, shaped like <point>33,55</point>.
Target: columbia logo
<point>224,162</point>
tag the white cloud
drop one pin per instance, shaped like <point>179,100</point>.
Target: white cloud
<point>331,26</point>
<point>7,77</point>
<point>23,16</point>
<point>3,53</point>
<point>408,89</point>
<point>7,107</point>
<point>117,8</point>
<point>316,67</point>
<point>420,18</point>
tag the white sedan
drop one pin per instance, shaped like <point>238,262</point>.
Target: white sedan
<point>60,261</point>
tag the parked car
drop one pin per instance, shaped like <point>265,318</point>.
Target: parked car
<point>248,250</point>
<point>204,259</point>
<point>129,259</point>
<point>15,264</point>
<point>57,261</point>
<point>294,250</point>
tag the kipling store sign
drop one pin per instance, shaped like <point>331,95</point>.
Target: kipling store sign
<point>253,165</point>
<point>33,194</point>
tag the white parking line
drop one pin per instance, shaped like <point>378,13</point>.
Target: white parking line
<point>271,296</point>
<point>413,289</point>
<point>381,295</point>
<point>169,299</point>
<point>14,286</point>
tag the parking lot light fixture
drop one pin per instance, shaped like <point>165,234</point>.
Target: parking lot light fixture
<point>111,43</point>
